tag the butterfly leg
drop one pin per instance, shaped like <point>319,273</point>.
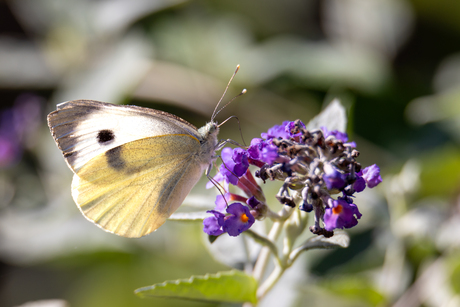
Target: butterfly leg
<point>222,143</point>
<point>239,128</point>
<point>219,187</point>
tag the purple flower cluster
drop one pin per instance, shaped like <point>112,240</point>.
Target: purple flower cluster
<point>319,163</point>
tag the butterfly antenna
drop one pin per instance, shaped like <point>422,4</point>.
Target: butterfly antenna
<point>242,93</point>
<point>220,100</point>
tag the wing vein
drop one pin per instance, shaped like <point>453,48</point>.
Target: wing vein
<point>171,191</point>
<point>128,214</point>
<point>113,214</point>
<point>129,185</point>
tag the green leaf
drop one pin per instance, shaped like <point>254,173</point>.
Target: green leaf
<point>230,286</point>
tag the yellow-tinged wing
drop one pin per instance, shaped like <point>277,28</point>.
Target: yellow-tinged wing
<point>131,190</point>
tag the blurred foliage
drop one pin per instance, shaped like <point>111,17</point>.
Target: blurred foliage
<point>393,63</point>
<point>439,176</point>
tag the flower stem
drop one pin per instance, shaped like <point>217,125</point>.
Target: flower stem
<point>264,242</point>
<point>275,231</point>
<point>264,256</point>
<point>268,284</point>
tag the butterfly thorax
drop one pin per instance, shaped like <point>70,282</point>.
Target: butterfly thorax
<point>208,140</point>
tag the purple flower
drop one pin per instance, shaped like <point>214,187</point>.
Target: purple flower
<point>341,136</point>
<point>227,166</point>
<point>371,175</point>
<point>239,220</point>
<point>222,201</point>
<point>360,184</point>
<point>277,131</point>
<point>234,164</point>
<point>252,202</point>
<point>341,214</point>
<point>351,144</point>
<point>254,148</point>
<point>333,178</point>
<point>240,157</point>
<point>269,153</point>
<point>290,127</point>
<point>213,224</point>
<point>263,151</point>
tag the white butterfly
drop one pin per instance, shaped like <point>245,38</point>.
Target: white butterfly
<point>133,166</point>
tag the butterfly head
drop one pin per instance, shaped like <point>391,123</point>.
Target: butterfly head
<point>208,140</point>
<point>209,132</point>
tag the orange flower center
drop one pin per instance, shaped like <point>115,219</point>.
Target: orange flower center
<point>244,218</point>
<point>337,209</point>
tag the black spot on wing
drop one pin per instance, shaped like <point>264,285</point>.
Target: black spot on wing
<point>69,154</point>
<point>105,136</point>
<point>114,158</point>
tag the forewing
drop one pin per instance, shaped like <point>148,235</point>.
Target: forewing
<point>132,189</point>
<point>84,129</point>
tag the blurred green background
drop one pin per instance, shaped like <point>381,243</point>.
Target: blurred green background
<point>395,65</point>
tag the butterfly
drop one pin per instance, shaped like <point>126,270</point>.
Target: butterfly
<point>133,166</point>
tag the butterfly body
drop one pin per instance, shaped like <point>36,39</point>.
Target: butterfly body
<point>133,166</point>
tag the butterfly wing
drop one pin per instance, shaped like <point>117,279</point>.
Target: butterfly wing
<point>83,129</point>
<point>133,166</point>
<point>132,189</point>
